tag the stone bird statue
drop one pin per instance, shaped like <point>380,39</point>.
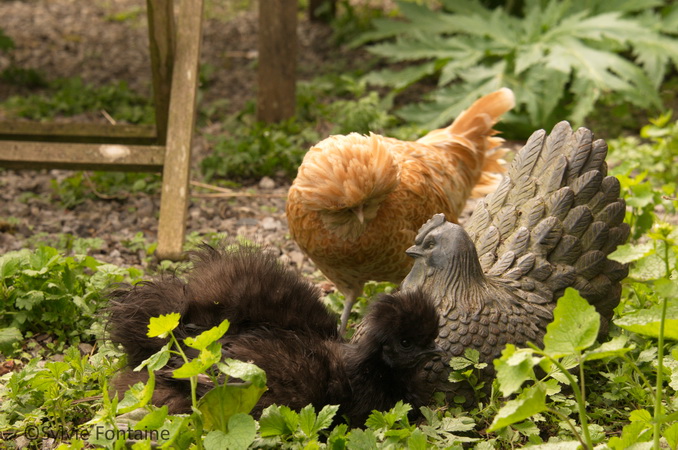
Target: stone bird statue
<point>278,322</point>
<point>549,225</point>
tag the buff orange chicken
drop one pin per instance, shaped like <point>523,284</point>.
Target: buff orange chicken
<point>358,201</point>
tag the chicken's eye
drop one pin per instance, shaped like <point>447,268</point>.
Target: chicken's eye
<point>429,243</point>
<point>405,343</point>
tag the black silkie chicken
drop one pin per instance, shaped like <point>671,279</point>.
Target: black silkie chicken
<point>279,323</point>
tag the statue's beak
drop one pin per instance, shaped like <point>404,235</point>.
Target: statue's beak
<point>436,350</point>
<point>430,352</point>
<point>414,252</point>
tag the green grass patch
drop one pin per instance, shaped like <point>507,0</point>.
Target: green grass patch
<point>71,96</point>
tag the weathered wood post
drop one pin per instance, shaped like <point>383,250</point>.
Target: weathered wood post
<point>180,126</point>
<point>277,60</point>
<point>161,33</point>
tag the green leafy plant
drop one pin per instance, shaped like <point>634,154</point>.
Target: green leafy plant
<point>56,398</point>
<point>280,425</point>
<point>65,243</point>
<point>254,149</point>
<point>365,115</point>
<point>221,413</point>
<point>656,153</point>
<point>559,58</point>
<point>80,186</point>
<point>6,42</point>
<point>656,262</point>
<point>632,161</point>
<point>42,290</point>
<point>467,368</point>
<point>71,96</point>
<point>568,344</point>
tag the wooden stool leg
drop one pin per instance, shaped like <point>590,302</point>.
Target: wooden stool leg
<point>181,123</point>
<point>161,34</point>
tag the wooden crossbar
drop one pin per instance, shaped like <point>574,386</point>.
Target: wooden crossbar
<point>81,132</point>
<point>73,156</point>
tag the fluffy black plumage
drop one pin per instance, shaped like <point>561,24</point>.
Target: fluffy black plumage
<point>279,323</point>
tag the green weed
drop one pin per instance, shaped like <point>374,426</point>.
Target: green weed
<point>71,96</point>
<point>647,171</point>
<point>80,186</point>
<point>42,290</point>
<point>251,149</point>
<point>257,150</point>
<point>6,42</point>
<point>54,399</point>
<point>65,243</point>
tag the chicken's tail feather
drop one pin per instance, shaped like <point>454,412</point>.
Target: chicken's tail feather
<point>491,176</point>
<point>473,130</point>
<point>483,115</point>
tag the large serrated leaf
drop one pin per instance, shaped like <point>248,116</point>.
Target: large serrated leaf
<point>204,339</point>
<point>514,368</point>
<point>402,78</point>
<point>564,56</point>
<point>646,321</point>
<point>532,401</point>
<point>574,328</point>
<point>627,253</point>
<point>450,102</point>
<point>221,403</point>
<point>242,430</point>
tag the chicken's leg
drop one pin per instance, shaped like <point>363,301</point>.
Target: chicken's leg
<point>350,298</point>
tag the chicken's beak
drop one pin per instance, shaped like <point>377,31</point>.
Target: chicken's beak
<point>359,213</point>
<point>414,252</point>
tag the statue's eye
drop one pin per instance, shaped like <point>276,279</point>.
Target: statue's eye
<point>429,244</point>
<point>405,343</point>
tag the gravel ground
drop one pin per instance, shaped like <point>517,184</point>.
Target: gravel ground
<point>29,209</point>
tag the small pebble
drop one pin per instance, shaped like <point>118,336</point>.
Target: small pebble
<point>270,224</point>
<point>247,222</point>
<point>267,183</point>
